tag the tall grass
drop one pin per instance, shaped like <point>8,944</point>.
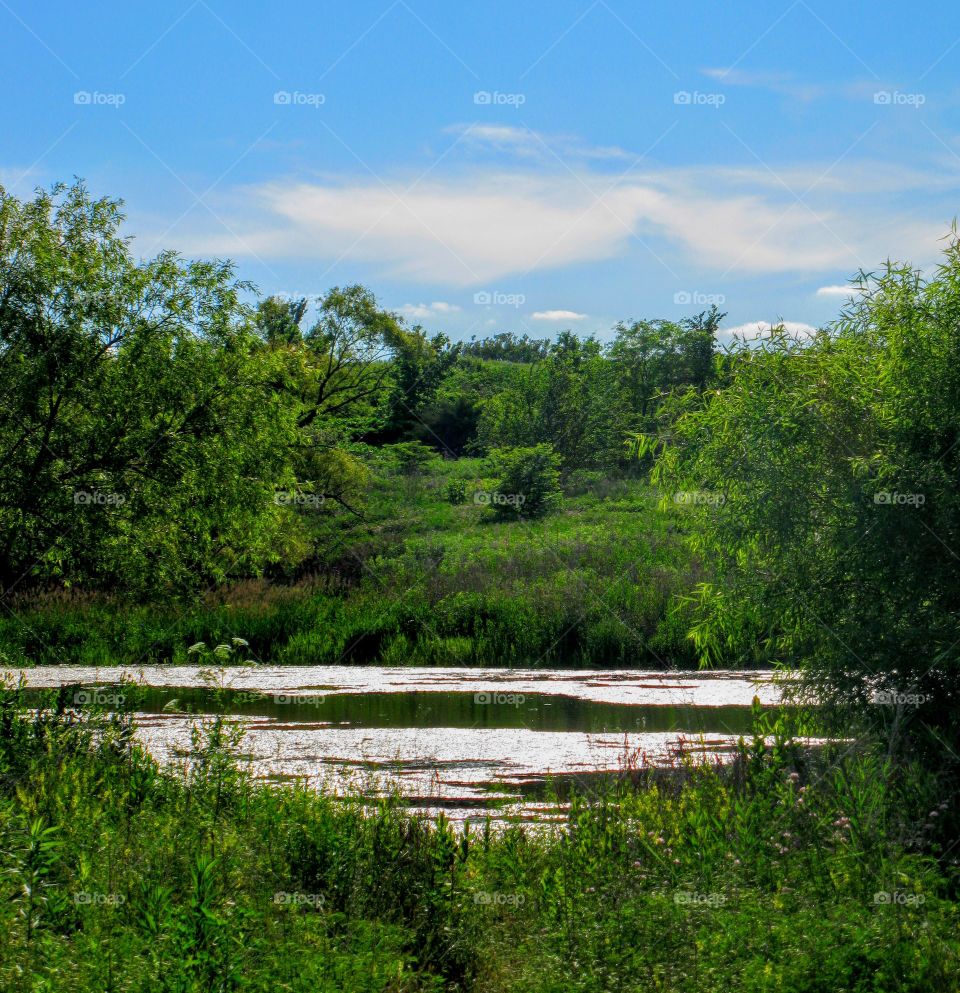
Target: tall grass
<point>422,581</point>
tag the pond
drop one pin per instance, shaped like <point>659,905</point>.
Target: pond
<point>471,742</point>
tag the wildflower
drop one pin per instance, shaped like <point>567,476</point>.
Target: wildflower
<point>794,777</point>
<point>842,822</point>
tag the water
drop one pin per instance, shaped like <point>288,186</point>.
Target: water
<point>469,741</point>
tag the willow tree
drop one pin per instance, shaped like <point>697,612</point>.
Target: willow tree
<point>824,486</point>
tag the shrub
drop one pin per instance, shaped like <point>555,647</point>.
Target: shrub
<point>529,483</point>
<point>456,491</point>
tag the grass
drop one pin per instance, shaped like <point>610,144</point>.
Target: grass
<point>790,872</point>
<point>420,581</point>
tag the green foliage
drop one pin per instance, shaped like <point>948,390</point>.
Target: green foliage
<point>788,872</point>
<point>138,434</point>
<point>832,512</point>
<point>419,366</point>
<point>410,458</point>
<point>419,581</point>
<point>570,400</point>
<point>508,347</point>
<point>529,483</point>
<point>279,320</point>
<point>456,492</point>
<point>652,358</point>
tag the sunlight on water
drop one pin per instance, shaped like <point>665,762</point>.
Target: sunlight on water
<point>469,741</point>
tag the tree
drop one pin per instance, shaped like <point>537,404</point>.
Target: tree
<point>279,320</point>
<point>508,347</point>
<point>698,346</point>
<point>140,444</point>
<point>570,401</point>
<point>529,484</point>
<point>836,543</point>
<point>418,368</point>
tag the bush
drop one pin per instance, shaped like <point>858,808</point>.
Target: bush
<point>530,481</point>
<point>834,537</point>
<point>456,492</point>
<point>410,458</point>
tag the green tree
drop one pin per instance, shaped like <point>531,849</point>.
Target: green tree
<point>698,346</point>
<point>836,543</point>
<point>279,320</point>
<point>140,443</point>
<point>570,401</point>
<point>419,366</point>
<point>529,484</point>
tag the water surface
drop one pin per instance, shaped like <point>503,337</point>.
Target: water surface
<point>469,741</point>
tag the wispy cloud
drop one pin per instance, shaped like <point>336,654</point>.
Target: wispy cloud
<point>557,315</point>
<point>837,291</point>
<point>479,223</point>
<point>421,311</point>
<point>472,229</point>
<point>526,143</point>
<point>787,84</point>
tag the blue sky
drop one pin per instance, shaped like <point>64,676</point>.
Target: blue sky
<point>486,167</point>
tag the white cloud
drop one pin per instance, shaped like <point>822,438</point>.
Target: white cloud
<point>786,83</point>
<point>423,310</point>
<point>557,315</point>
<point>837,291</point>
<point>470,230</point>
<point>527,143</point>
<point>473,226</point>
